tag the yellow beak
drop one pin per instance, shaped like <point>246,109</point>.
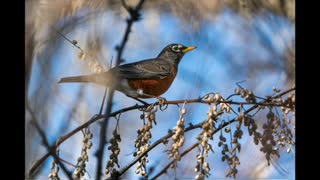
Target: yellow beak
<point>188,49</point>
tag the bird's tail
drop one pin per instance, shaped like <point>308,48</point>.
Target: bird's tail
<point>101,79</point>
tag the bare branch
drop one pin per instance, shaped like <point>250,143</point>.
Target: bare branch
<point>134,107</point>
<point>164,170</point>
<point>103,132</point>
<point>67,136</point>
<point>46,143</point>
<point>191,127</point>
<point>134,16</point>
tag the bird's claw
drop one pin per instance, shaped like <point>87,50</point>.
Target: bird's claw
<point>162,100</point>
<point>162,103</point>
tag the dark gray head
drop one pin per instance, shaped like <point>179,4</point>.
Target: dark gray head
<point>174,52</point>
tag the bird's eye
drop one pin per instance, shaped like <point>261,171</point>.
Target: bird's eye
<point>175,48</point>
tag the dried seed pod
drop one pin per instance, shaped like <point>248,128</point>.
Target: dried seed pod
<point>183,111</point>
<point>237,91</point>
<point>288,150</point>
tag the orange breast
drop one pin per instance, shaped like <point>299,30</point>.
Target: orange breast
<point>155,87</point>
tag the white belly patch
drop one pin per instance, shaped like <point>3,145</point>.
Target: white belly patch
<point>125,88</point>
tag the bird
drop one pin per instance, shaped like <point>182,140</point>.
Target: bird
<point>149,78</point>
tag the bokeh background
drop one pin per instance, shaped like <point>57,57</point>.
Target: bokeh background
<point>249,40</point>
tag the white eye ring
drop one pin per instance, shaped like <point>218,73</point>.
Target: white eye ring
<point>175,48</point>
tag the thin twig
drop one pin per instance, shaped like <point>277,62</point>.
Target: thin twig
<point>161,140</point>
<point>134,16</point>
<point>130,108</point>
<point>103,100</point>
<point>74,43</point>
<point>34,122</point>
<point>191,127</point>
<point>70,134</point>
<point>164,170</point>
<point>103,136</point>
<point>200,100</point>
<point>70,164</point>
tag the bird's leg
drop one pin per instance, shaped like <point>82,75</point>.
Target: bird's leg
<point>161,100</point>
<point>137,99</point>
<point>103,100</point>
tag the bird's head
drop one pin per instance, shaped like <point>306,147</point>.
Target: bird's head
<point>174,52</point>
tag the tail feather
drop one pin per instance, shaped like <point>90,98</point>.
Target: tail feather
<point>75,79</point>
<point>101,79</point>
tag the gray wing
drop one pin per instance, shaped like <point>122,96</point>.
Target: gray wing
<point>147,69</point>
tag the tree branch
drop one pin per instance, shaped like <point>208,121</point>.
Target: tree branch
<point>134,16</point>
<point>34,122</point>
<point>164,170</point>
<point>67,136</point>
<point>103,136</point>
<point>191,127</point>
<point>134,107</point>
<point>201,100</point>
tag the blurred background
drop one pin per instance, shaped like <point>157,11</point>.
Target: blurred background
<point>237,40</point>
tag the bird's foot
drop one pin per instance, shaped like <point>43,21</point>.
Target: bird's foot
<point>162,103</point>
<point>161,100</point>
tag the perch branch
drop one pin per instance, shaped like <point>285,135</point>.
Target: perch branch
<point>191,127</point>
<point>134,107</point>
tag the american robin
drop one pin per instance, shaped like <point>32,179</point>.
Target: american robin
<point>148,78</point>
